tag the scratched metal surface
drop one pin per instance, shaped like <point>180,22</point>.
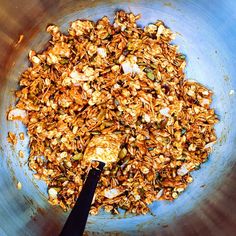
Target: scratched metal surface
<point>206,33</point>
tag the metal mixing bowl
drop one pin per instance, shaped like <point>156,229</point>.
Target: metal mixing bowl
<point>206,33</point>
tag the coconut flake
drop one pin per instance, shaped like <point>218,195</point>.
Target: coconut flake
<point>17,114</point>
<point>147,118</point>
<point>77,77</point>
<point>116,86</point>
<point>205,101</point>
<point>133,59</point>
<point>111,193</point>
<point>127,68</point>
<point>136,69</point>
<point>130,68</point>
<point>183,170</point>
<point>160,30</point>
<point>137,197</point>
<point>159,194</point>
<point>115,25</point>
<point>209,145</point>
<point>52,193</point>
<point>102,52</point>
<point>123,27</point>
<point>205,92</point>
<point>165,111</point>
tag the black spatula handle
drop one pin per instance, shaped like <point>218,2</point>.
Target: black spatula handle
<point>77,219</point>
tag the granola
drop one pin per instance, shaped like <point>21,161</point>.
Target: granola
<point>114,78</point>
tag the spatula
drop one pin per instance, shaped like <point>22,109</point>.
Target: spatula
<point>101,148</point>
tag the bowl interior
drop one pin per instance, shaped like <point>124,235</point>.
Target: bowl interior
<point>206,34</point>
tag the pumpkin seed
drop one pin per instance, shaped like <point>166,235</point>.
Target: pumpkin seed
<point>183,131</point>
<point>153,66</point>
<point>77,156</point>
<point>122,153</point>
<point>64,61</point>
<point>124,164</point>
<point>151,76</point>
<point>183,57</point>
<point>117,103</point>
<point>95,132</point>
<point>147,69</point>
<point>62,179</point>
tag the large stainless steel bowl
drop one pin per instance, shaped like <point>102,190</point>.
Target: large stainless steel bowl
<point>207,35</point>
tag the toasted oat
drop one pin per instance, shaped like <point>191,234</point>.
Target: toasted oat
<point>12,138</point>
<point>115,79</point>
<point>21,154</point>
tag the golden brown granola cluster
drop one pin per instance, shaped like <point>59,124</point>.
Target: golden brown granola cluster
<point>114,78</point>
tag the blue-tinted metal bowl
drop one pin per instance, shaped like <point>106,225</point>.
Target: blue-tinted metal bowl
<point>206,33</point>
